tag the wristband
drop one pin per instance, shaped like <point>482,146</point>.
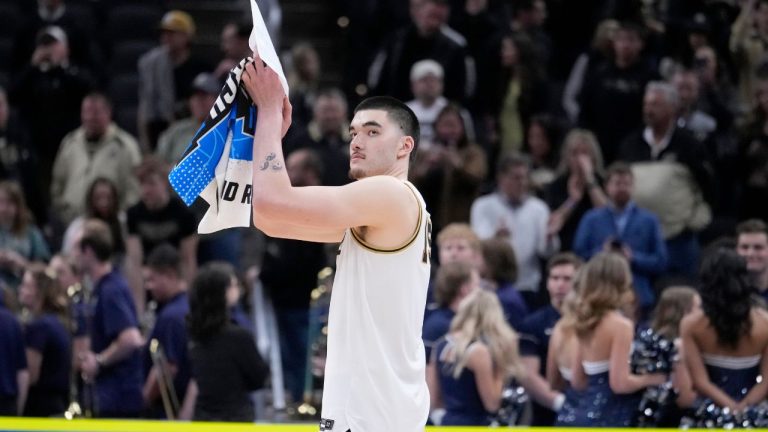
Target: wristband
<point>558,402</point>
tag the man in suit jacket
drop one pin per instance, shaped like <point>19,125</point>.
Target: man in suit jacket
<point>625,228</point>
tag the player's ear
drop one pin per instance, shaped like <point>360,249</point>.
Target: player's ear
<point>406,146</point>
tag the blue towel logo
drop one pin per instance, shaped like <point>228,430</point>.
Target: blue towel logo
<point>232,117</point>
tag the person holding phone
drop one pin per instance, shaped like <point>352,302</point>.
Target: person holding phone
<point>625,228</point>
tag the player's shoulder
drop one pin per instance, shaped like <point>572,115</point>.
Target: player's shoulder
<point>381,186</point>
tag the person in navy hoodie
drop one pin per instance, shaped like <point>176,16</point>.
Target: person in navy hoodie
<point>625,228</point>
<point>535,332</point>
<point>48,344</point>
<point>499,271</point>
<point>14,377</point>
<point>454,281</point>
<point>114,362</point>
<point>164,281</point>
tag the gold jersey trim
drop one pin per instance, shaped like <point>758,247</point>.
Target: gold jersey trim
<point>410,241</point>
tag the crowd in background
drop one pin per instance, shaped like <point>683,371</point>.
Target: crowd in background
<point>581,160</point>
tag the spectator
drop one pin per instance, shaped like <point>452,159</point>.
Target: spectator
<point>611,98</point>
<point>13,367</point>
<point>113,361</point>
<point>428,102</point>
<point>627,229</point>
<point>158,218</point>
<point>747,44</point>
<point>102,201</point>
<point>163,281</point>
<point>455,243</point>
<point>423,38</point>
<point>327,134</point>
<point>542,142</point>
<point>528,18</point>
<point>77,27</point>
<point>600,52</point>
<point>290,285</point>
<point>699,123</point>
<point>753,155</point>
<point>234,45</point>
<point>728,327</point>
<point>449,172</point>
<point>673,176</point>
<point>238,311</point>
<point>21,242</point>
<point>752,245</point>
<point>98,148</point>
<point>516,91</point>
<point>225,362</point>
<point>578,186</point>
<point>453,283</point>
<point>48,345</point>
<point>513,213</point>
<point>17,160</point>
<point>468,368</point>
<point>304,81</point>
<point>499,272</point>
<point>165,76</point>
<point>49,93</point>
<point>535,333</point>
<point>175,140</point>
<point>717,92</point>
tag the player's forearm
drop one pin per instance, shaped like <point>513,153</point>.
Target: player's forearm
<point>271,184</point>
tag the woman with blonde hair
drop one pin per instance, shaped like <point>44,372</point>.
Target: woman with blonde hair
<point>609,391</point>
<point>578,186</point>
<point>469,368</point>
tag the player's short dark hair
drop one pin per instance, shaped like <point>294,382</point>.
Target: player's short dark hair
<point>399,113</point>
<point>165,259</point>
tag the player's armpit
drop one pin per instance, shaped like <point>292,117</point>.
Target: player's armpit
<point>278,229</point>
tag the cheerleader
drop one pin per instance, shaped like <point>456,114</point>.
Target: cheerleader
<point>726,342</point>
<point>470,366</point>
<point>609,391</point>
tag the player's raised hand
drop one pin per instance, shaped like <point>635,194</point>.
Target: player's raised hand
<point>264,87</point>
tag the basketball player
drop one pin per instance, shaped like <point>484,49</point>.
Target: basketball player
<point>375,369</point>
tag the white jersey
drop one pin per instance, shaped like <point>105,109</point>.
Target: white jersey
<point>375,368</point>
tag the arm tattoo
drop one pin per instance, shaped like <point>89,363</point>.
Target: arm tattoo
<point>270,157</point>
<point>276,165</point>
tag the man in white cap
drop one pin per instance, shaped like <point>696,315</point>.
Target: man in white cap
<point>427,88</point>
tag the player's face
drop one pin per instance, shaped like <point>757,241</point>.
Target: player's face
<point>560,283</point>
<point>373,149</point>
<point>754,248</point>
